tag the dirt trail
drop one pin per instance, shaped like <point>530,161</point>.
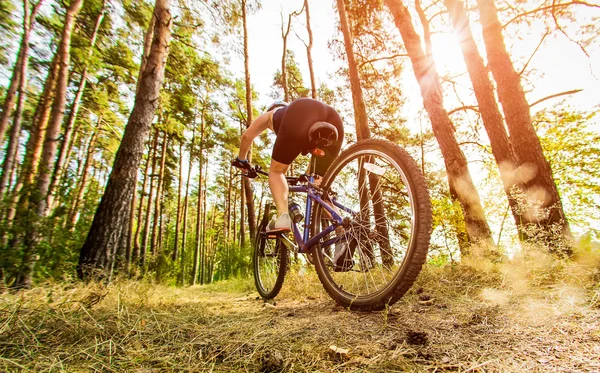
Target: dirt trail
<point>444,324</point>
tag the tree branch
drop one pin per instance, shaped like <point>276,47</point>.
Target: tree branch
<point>548,7</point>
<point>556,95</point>
<point>534,53</point>
<point>464,108</point>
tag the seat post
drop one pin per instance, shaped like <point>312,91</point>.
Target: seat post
<point>313,165</point>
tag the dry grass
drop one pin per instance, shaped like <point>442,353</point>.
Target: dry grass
<point>528,315</point>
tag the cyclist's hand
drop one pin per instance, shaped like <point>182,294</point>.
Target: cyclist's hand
<point>245,166</point>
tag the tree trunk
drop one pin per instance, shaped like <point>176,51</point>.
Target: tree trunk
<point>197,255</point>
<point>138,229</point>
<point>541,188</point>
<point>20,75</point>
<point>488,107</point>
<point>284,36</point>
<point>15,133</point>
<point>459,177</point>
<point>121,183</point>
<point>178,220</point>
<point>66,141</point>
<point>74,213</point>
<point>38,198</point>
<point>203,249</point>
<point>58,111</point>
<point>18,71</point>
<point>228,208</point>
<point>185,212</point>
<point>313,84</point>
<point>146,237</point>
<point>358,101</point>
<point>246,181</point>
<point>157,201</point>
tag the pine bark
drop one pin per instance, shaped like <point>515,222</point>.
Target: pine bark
<point>178,219</point>
<point>185,214</point>
<point>146,237</point>
<point>82,186</point>
<point>313,84</point>
<point>158,200</point>
<point>98,249</point>
<point>540,184</point>
<point>138,228</point>
<point>249,196</point>
<point>358,101</point>
<point>22,59</point>
<point>198,247</point>
<point>37,200</point>
<point>68,131</point>
<point>459,178</point>
<point>493,121</point>
<point>20,88</point>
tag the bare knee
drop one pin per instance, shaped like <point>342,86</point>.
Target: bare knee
<point>278,167</point>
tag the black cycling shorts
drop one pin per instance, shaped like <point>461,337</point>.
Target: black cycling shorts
<point>291,124</point>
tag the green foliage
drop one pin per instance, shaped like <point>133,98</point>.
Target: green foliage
<point>573,151</point>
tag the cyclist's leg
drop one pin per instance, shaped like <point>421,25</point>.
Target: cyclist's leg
<point>280,191</point>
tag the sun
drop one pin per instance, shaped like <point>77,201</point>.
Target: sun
<point>447,54</point>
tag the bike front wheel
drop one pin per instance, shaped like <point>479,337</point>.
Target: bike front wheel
<point>269,263</point>
<point>383,243</point>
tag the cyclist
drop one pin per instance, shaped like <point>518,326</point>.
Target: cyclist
<point>291,123</point>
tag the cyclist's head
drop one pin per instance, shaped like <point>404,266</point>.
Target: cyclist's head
<point>277,104</point>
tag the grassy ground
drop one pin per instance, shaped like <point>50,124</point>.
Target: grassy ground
<point>529,315</point>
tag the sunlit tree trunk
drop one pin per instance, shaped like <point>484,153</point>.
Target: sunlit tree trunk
<point>103,236</point>
<point>37,199</point>
<point>20,67</point>
<point>157,201</point>
<point>313,84</point>
<point>459,178</point>
<point>18,85</point>
<point>197,254</point>
<point>178,219</point>
<point>540,183</point>
<point>68,131</point>
<point>203,249</point>
<point>137,247</point>
<point>147,217</point>
<point>249,196</point>
<point>185,212</point>
<point>488,107</point>
<point>83,177</point>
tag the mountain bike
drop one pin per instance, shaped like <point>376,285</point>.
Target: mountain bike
<point>367,228</point>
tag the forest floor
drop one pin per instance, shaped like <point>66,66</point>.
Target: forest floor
<point>539,315</point>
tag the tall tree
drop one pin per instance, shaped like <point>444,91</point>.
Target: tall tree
<point>459,179</point>
<point>492,118</point>
<point>20,75</point>
<point>69,126</point>
<point>97,251</point>
<point>541,188</point>
<point>37,199</point>
<point>358,101</point>
<point>309,46</point>
<point>249,195</point>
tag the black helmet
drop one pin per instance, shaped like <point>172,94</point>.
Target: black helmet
<point>277,104</point>
<point>322,134</point>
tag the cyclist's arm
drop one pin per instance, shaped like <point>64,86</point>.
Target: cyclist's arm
<point>256,128</point>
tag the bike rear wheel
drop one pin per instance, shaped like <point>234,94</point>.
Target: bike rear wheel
<point>269,263</point>
<point>382,246</point>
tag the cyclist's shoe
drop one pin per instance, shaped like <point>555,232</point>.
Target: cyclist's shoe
<point>281,224</point>
<point>342,257</point>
